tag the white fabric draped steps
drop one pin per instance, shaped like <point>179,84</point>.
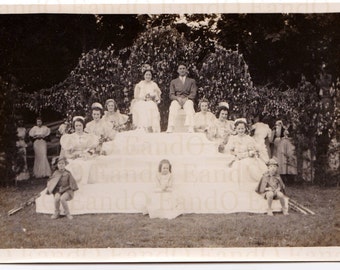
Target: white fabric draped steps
<point>125,180</point>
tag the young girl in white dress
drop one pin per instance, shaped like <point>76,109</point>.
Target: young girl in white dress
<point>162,201</point>
<point>164,177</point>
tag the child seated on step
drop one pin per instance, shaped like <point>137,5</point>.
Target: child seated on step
<point>272,187</point>
<point>162,202</point>
<point>62,185</point>
<point>164,177</point>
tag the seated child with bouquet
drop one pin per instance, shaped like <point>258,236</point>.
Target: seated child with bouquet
<point>272,187</point>
<point>62,185</point>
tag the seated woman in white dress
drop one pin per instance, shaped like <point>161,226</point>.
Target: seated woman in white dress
<point>79,148</point>
<point>246,166</point>
<point>144,107</point>
<point>204,117</point>
<point>99,127</point>
<point>112,116</point>
<point>221,129</point>
<point>79,144</point>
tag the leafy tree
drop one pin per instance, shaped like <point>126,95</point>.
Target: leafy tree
<point>281,47</point>
<point>8,151</point>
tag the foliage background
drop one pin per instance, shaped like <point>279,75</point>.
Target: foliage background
<point>253,61</point>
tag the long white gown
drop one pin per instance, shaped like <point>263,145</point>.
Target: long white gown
<point>41,166</point>
<point>76,148</point>
<point>247,167</point>
<point>144,107</point>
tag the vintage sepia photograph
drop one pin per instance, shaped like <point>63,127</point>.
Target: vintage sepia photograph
<point>169,135</point>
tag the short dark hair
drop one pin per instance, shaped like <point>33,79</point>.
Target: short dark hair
<point>236,123</point>
<point>78,120</point>
<point>147,71</point>
<point>222,108</point>
<point>97,109</point>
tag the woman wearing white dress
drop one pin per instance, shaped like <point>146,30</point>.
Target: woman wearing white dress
<point>144,107</point>
<point>39,134</point>
<point>79,149</point>
<point>203,118</point>
<point>246,167</point>
<point>79,144</point>
<point>98,126</point>
<point>113,117</point>
<point>103,129</point>
<point>221,129</point>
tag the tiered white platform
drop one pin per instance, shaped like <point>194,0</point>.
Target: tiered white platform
<point>125,180</point>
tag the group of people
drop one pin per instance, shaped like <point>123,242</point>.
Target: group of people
<point>39,134</point>
<point>247,155</point>
<point>147,95</point>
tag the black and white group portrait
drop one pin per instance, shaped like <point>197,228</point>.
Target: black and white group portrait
<point>169,130</point>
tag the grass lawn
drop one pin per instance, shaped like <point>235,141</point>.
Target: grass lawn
<point>27,229</point>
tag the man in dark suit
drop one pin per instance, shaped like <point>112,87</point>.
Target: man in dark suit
<point>182,93</point>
